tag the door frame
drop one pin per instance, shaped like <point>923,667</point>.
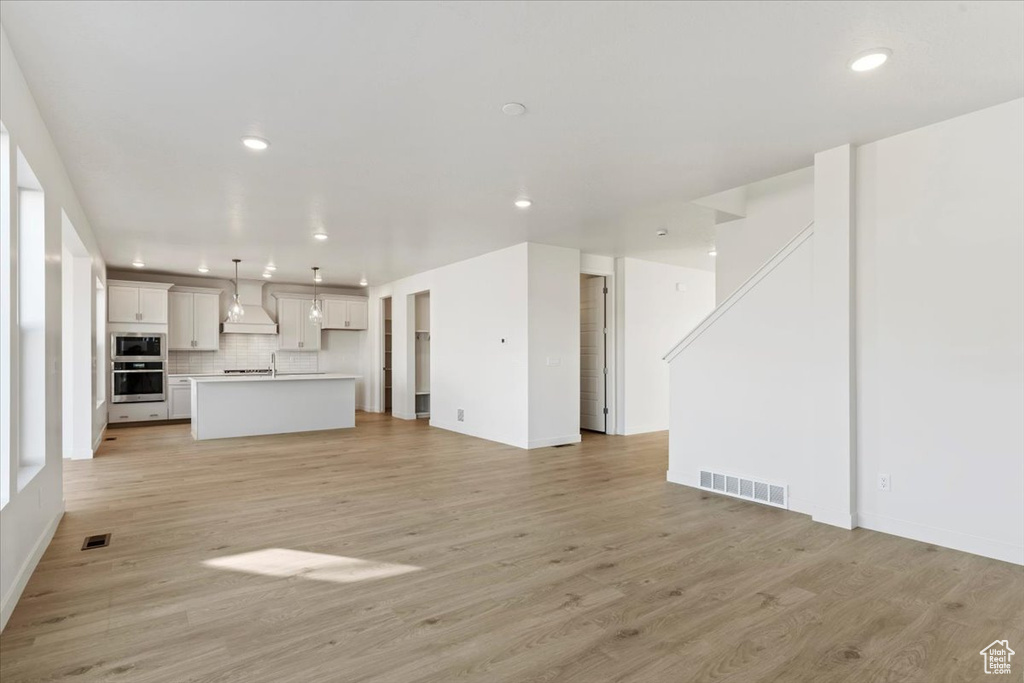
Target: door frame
<point>382,377</point>
<point>610,341</point>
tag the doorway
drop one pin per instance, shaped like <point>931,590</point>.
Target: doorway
<point>385,354</point>
<point>594,353</point>
<point>421,354</point>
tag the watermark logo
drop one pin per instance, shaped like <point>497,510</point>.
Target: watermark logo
<point>997,657</point>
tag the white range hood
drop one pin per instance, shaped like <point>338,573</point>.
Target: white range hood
<point>256,320</point>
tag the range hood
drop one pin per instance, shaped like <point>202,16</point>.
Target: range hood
<point>256,320</point>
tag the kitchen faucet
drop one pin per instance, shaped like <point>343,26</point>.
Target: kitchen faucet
<point>273,363</point>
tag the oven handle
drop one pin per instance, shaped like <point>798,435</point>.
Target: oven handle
<point>118,372</point>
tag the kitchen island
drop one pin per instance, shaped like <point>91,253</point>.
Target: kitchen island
<point>250,405</point>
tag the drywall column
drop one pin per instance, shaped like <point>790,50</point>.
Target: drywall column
<point>833,448</point>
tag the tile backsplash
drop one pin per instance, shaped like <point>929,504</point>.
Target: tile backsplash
<point>242,352</point>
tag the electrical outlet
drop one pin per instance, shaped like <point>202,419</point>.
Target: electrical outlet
<point>884,483</point>
<point>461,415</point>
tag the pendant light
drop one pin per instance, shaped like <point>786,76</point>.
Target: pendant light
<point>316,314</point>
<point>235,310</point>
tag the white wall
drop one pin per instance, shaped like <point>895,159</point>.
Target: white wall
<point>777,209</point>
<point>30,517</point>
<point>741,393</point>
<point>486,348</point>
<point>940,253</point>
<point>938,292</point>
<point>554,345</point>
<point>478,347</point>
<point>653,315</point>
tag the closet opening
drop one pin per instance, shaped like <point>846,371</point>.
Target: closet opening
<point>422,354</point>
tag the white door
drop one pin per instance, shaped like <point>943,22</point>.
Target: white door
<point>310,332</point>
<point>206,321</point>
<point>289,326</point>
<point>179,321</point>
<point>180,404</point>
<point>592,354</point>
<point>122,304</point>
<point>152,305</point>
<point>358,315</point>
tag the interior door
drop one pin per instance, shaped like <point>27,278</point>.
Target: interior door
<point>592,354</point>
<point>122,304</point>
<point>152,305</point>
<point>206,321</point>
<point>179,323</point>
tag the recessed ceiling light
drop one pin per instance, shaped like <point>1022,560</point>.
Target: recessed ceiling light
<point>320,236</point>
<point>513,109</point>
<point>661,232</point>
<point>872,59</point>
<point>363,282</point>
<point>268,275</point>
<point>138,264</point>
<point>271,268</point>
<point>712,252</point>
<point>253,142</point>
<point>523,203</point>
<point>203,269</point>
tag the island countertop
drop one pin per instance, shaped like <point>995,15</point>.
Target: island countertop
<point>280,377</point>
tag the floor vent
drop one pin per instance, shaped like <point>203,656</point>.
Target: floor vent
<point>110,438</point>
<point>562,445</point>
<point>746,488</point>
<point>98,541</point>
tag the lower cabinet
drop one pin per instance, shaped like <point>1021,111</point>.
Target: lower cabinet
<point>137,412</point>
<point>180,403</point>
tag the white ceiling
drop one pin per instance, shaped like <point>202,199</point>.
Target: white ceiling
<point>387,133</point>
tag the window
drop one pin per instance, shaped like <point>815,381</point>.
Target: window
<point>99,362</point>
<point>6,306</point>
<point>30,352</point>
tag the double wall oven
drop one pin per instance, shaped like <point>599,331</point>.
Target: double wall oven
<point>137,367</point>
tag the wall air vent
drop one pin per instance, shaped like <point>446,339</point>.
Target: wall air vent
<point>747,488</point>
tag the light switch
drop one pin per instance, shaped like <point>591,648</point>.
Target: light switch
<point>553,362</point>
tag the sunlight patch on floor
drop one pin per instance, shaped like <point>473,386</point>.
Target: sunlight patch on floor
<point>283,562</point>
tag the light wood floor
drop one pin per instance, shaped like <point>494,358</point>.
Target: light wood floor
<point>559,564</point>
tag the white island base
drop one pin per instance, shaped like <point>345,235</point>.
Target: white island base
<point>224,407</point>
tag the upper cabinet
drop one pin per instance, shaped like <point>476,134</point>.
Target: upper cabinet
<point>345,313</point>
<point>295,331</point>
<point>137,302</point>
<point>194,319</point>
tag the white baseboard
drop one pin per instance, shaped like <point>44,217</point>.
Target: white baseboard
<point>99,439</point>
<point>968,543</point>
<point>27,567</point>
<point>79,453</point>
<point>403,416</point>
<point>554,441</point>
<point>677,478</point>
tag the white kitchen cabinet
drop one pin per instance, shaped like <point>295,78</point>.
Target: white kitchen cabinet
<point>295,331</point>
<point>122,304</point>
<point>194,319</point>
<point>345,313</point>
<point>137,412</point>
<point>180,403</point>
<point>137,302</point>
